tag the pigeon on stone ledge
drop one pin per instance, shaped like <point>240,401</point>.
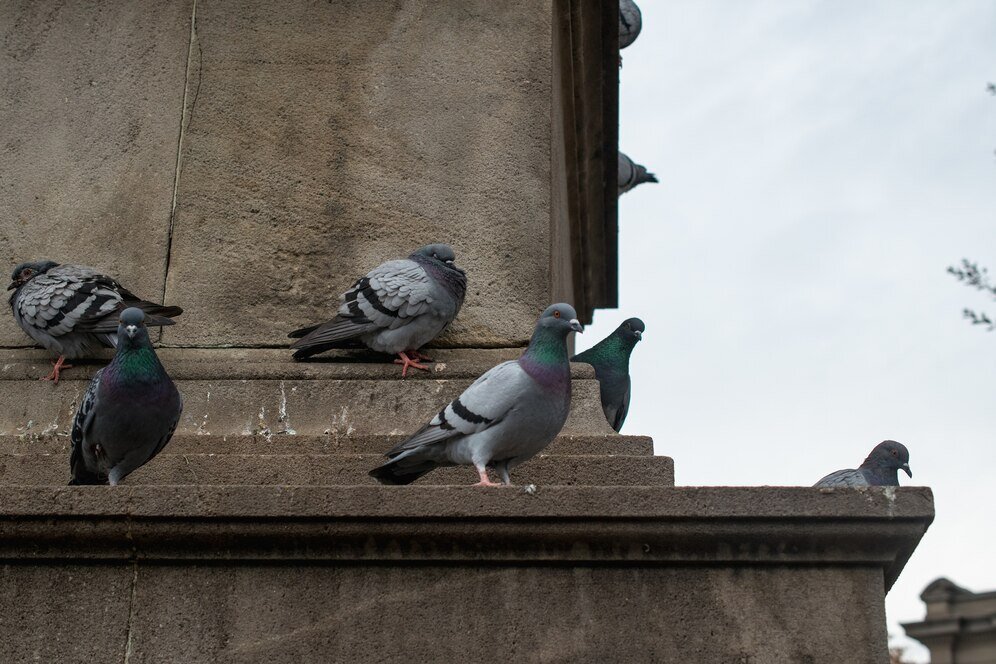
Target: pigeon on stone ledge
<point>505,417</point>
<point>129,411</point>
<point>632,174</point>
<point>879,469</point>
<point>397,308</point>
<point>610,357</point>
<point>73,310</point>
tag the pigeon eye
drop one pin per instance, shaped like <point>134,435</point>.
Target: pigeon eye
<point>895,453</point>
<point>556,314</point>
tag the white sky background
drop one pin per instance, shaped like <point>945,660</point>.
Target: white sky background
<point>821,164</point>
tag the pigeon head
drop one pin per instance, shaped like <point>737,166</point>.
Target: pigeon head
<point>131,328</point>
<point>442,253</point>
<point>891,455</point>
<point>631,330</point>
<point>25,272</point>
<point>560,318</point>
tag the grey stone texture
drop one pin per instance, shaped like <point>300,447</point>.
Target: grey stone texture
<point>325,138</point>
<point>443,573</point>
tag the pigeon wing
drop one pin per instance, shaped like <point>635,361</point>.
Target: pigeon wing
<point>388,297</point>
<point>847,477</point>
<point>485,403</point>
<point>81,425</point>
<point>58,301</point>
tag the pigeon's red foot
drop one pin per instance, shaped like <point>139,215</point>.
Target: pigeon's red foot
<point>418,356</point>
<point>485,480</point>
<point>57,366</point>
<point>407,361</point>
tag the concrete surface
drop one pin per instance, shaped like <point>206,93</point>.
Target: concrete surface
<point>243,392</point>
<point>564,445</point>
<point>326,138</point>
<point>340,470</point>
<point>635,574</point>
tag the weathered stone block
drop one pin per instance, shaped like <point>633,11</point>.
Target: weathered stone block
<point>326,138</point>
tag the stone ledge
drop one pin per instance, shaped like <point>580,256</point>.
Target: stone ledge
<point>632,525</point>
<point>276,364</point>
<point>609,444</point>
<point>340,470</point>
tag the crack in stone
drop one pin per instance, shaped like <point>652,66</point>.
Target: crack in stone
<point>185,116</point>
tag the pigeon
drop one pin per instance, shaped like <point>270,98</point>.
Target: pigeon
<point>630,22</point>
<point>632,174</point>
<point>73,310</point>
<point>610,357</point>
<point>879,469</point>
<point>396,309</point>
<point>504,418</point>
<point>129,411</point>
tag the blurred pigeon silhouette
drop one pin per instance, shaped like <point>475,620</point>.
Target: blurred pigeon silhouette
<point>504,418</point>
<point>129,411</point>
<point>610,357</point>
<point>396,308</point>
<point>73,310</point>
<point>632,174</point>
<point>879,469</point>
<point>630,22</point>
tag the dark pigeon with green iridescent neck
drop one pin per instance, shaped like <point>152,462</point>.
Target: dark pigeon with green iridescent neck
<point>129,411</point>
<point>610,357</point>
<point>505,417</point>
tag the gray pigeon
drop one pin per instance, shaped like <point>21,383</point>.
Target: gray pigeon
<point>610,357</point>
<point>73,310</point>
<point>396,309</point>
<point>879,469</point>
<point>630,22</point>
<point>632,174</point>
<point>129,411</point>
<point>504,418</point>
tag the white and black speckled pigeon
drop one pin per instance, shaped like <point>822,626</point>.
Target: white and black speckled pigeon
<point>630,22</point>
<point>504,418</point>
<point>129,411</point>
<point>610,357</point>
<point>632,174</point>
<point>73,310</point>
<point>881,468</point>
<point>397,308</point>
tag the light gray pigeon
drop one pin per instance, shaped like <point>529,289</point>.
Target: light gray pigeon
<point>630,22</point>
<point>397,308</point>
<point>879,469</point>
<point>610,357</point>
<point>129,411</point>
<point>632,174</point>
<point>505,417</point>
<point>73,310</point>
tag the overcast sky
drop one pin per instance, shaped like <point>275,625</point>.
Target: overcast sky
<point>821,164</point>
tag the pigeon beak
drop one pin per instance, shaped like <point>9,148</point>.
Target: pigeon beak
<point>448,262</point>
<point>576,326</point>
<point>12,286</point>
<point>639,335</point>
<point>906,467</point>
<point>130,330</point>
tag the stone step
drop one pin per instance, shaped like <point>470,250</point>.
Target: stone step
<point>298,444</point>
<point>340,470</point>
<point>253,391</point>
